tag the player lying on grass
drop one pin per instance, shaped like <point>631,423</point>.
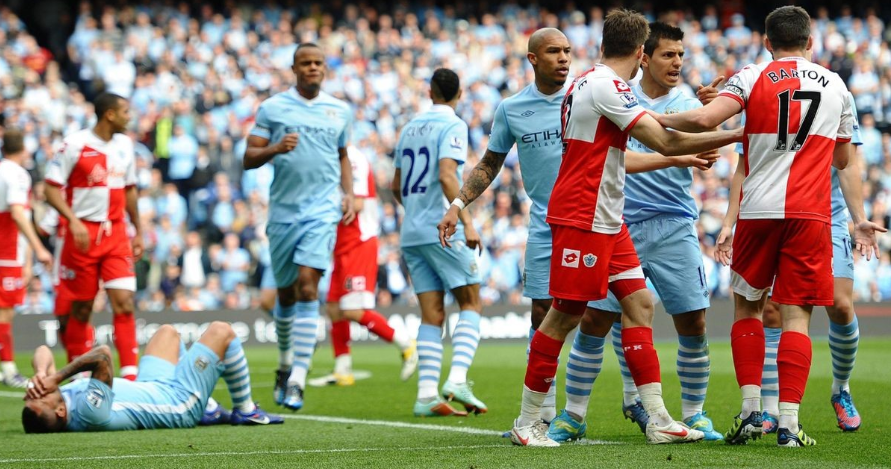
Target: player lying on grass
<point>170,391</point>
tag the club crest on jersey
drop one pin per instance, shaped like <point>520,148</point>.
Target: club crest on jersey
<point>621,86</point>
<point>589,260</point>
<point>457,143</point>
<point>201,363</point>
<point>571,258</point>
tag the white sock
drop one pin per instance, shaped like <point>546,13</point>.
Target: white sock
<point>789,416</point>
<point>298,377</point>
<point>530,410</point>
<point>751,395</point>
<point>457,375</point>
<point>549,405</point>
<point>771,405</point>
<point>651,398</point>
<point>401,339</point>
<point>212,405</point>
<point>343,364</point>
<point>427,390</point>
<point>9,369</point>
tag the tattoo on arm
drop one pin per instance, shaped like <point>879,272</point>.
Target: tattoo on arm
<point>482,176</point>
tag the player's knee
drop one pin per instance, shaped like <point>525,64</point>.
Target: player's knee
<point>122,304</point>
<point>222,330</point>
<point>597,323</point>
<point>539,311</point>
<point>307,290</point>
<point>690,324</point>
<point>81,310</point>
<point>167,330</point>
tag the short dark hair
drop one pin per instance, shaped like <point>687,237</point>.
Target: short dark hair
<point>41,422</point>
<point>445,84</point>
<point>106,102</point>
<point>788,28</point>
<point>659,31</point>
<point>624,31</point>
<point>305,45</point>
<point>13,141</point>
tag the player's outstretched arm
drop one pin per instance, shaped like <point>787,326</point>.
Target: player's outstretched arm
<point>851,184</point>
<point>674,143</point>
<point>724,251</point>
<point>702,119</point>
<point>636,162</point>
<point>259,151</point>
<point>480,179</point>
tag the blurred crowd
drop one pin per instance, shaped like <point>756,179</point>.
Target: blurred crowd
<point>195,76</point>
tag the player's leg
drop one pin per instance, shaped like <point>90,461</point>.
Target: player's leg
<point>11,375</point>
<point>582,370</point>
<point>79,283</point>
<point>282,242</point>
<point>770,381</point>
<point>122,306</point>
<point>340,342</point>
<point>536,283</point>
<point>465,341</point>
<point>844,334</point>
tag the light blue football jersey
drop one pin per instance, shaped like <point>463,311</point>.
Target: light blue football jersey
<point>93,406</point>
<point>426,139</point>
<point>840,213</point>
<point>532,121</point>
<point>665,191</point>
<point>306,185</point>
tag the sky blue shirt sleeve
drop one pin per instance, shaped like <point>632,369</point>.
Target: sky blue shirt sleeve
<point>855,136</point>
<point>347,132</point>
<point>453,143</point>
<point>94,404</point>
<point>501,140</point>
<point>261,124</point>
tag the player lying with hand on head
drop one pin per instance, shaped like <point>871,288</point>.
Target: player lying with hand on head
<point>170,391</point>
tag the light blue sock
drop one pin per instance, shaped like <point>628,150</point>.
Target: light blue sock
<point>629,389</point>
<point>770,378</point>
<point>284,321</point>
<point>693,370</point>
<point>303,336</point>
<point>238,377</point>
<point>429,360</point>
<point>465,340</point>
<point>843,343</point>
<point>585,361</point>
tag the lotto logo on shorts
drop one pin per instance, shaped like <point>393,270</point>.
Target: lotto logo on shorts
<point>12,283</point>
<point>355,283</point>
<point>571,258</point>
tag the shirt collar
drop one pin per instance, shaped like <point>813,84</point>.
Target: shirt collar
<point>442,108</point>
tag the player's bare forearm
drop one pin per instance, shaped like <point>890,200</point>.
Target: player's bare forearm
<point>43,362</point>
<point>23,222</point>
<point>57,201</point>
<point>96,361</point>
<point>346,172</point>
<point>451,187</point>
<point>258,152</point>
<point>481,176</point>
<point>396,186</point>
<point>851,183</point>
<point>639,162</point>
<point>735,190</point>
<point>133,208</point>
<point>704,118</point>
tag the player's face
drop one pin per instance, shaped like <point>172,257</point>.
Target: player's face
<point>665,64</point>
<point>309,67</point>
<point>121,116</point>
<point>553,58</point>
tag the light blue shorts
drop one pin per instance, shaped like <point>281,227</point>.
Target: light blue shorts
<point>669,254</point>
<point>842,257</point>
<point>537,271</point>
<point>196,374</point>
<point>435,268</point>
<point>291,245</point>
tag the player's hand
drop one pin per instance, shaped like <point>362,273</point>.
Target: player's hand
<point>40,385</point>
<point>707,94</point>
<point>80,234</point>
<point>44,257</point>
<point>448,226</point>
<point>473,238</point>
<point>865,238</point>
<point>349,210</point>
<point>710,156</point>
<point>137,244</point>
<point>287,143</point>
<point>724,251</point>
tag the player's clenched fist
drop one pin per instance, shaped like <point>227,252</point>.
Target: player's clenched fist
<point>287,143</point>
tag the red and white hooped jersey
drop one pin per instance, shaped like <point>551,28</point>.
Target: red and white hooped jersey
<point>797,111</point>
<point>94,174</point>
<point>367,223</point>
<point>15,189</point>
<point>598,112</point>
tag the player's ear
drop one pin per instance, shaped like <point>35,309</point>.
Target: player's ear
<point>767,44</point>
<point>810,43</point>
<point>645,61</point>
<point>458,96</point>
<point>532,58</point>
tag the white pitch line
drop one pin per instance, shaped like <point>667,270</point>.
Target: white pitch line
<point>19,395</point>
<point>249,453</point>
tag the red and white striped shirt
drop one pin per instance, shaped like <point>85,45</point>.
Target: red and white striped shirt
<point>94,174</point>
<point>797,111</point>
<point>15,189</point>
<point>598,112</point>
<point>367,222</point>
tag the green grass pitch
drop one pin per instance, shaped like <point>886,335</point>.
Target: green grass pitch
<point>371,424</point>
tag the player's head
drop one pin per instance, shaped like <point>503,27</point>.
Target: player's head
<point>788,28</point>
<point>13,142</point>
<point>550,55</point>
<point>309,67</point>
<point>445,87</point>
<point>112,110</point>
<point>624,34</point>
<point>663,55</point>
<point>45,415</point>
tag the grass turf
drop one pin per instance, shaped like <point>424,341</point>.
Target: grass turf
<point>498,372</point>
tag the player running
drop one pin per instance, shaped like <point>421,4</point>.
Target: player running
<point>170,391</point>
<point>593,249</point>
<point>354,279</point>
<point>97,170</point>
<point>430,153</point>
<point>660,215</point>
<point>305,133</point>
<point>16,233</point>
<point>802,128</point>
